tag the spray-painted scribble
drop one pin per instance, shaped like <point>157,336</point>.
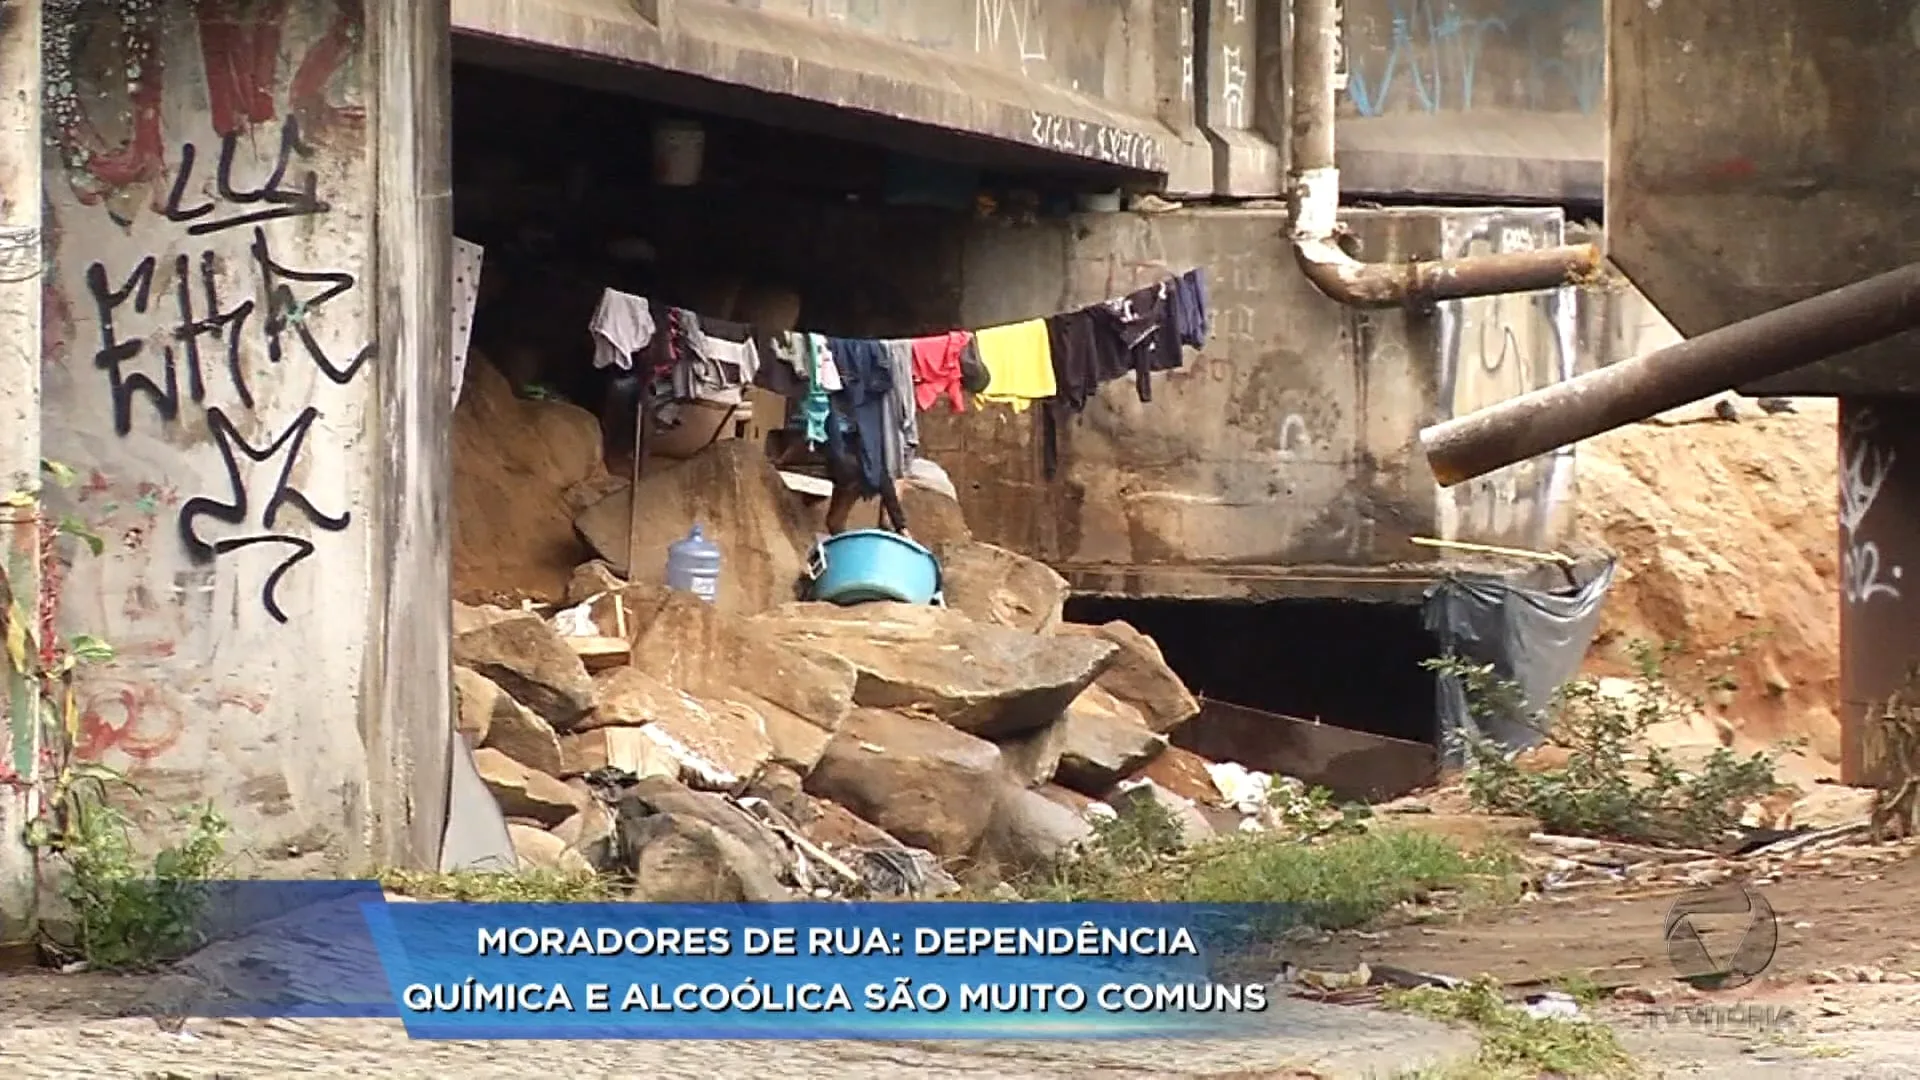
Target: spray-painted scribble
<point>1864,471</point>
<point>1457,55</point>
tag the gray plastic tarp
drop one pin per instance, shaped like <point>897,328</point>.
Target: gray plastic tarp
<point>1535,639</point>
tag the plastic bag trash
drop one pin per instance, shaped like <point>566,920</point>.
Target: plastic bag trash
<point>1241,788</point>
<point>577,622</point>
<point>1553,1005</point>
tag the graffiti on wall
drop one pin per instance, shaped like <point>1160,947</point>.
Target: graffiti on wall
<point>1494,348</point>
<point>1865,467</point>
<point>212,294</point>
<point>1459,55</point>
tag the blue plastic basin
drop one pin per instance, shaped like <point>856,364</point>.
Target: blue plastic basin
<point>871,565</point>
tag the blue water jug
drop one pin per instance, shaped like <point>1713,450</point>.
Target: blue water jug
<point>693,565</point>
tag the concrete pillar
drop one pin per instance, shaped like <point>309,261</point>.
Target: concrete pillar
<point>1879,571</point>
<point>248,365</point>
<point>20,263</point>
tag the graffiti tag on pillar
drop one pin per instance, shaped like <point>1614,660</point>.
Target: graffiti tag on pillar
<point>1864,470</point>
<point>239,507</point>
<point>163,336</point>
<point>271,195</point>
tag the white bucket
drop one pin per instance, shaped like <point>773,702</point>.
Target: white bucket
<point>679,150</point>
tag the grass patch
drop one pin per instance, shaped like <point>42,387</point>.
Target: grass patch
<point>1514,1044</point>
<point>1331,880</point>
<point>527,886</point>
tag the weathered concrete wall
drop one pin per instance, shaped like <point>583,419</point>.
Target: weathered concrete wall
<point>1288,444</point>
<point>1761,152</point>
<point>1486,350</point>
<point>1474,98</point>
<point>216,371</point>
<point>1185,91</point>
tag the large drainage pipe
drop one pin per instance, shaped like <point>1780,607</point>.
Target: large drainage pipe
<point>1564,413</point>
<point>1314,201</point>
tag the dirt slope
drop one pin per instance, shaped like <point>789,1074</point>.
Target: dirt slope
<point>1726,537</point>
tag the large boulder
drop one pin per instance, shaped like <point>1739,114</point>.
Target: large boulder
<point>1139,675</point>
<point>681,860</point>
<point>521,470</point>
<point>737,497</point>
<point>475,699</point>
<point>986,680</point>
<point>519,733</point>
<point>542,850</point>
<point>934,517</point>
<point>918,779</point>
<point>1031,833</point>
<point>685,846</point>
<point>531,661</point>
<point>717,745</point>
<point>1184,773</point>
<point>994,585</point>
<point>629,750</point>
<point>1105,740</point>
<point>1033,757</point>
<point>525,793</point>
<point>710,654</point>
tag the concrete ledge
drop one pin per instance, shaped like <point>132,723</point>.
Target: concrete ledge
<point>819,62</point>
<point>1401,584</point>
<point>1508,157</point>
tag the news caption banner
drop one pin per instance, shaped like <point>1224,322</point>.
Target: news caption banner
<point>732,971</point>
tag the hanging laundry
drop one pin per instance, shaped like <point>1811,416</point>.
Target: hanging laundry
<point>720,363</point>
<point>817,409</point>
<point>783,364</point>
<point>866,377</point>
<point>826,369</point>
<point>1142,326</point>
<point>1019,362</point>
<point>937,370</point>
<point>903,420</point>
<point>1086,356</point>
<point>621,326</point>
<point>1190,308</point>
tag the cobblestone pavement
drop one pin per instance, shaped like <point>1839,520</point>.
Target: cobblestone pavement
<point>51,1030</point>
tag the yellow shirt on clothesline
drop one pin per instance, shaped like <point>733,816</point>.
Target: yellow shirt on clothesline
<point>1019,363</point>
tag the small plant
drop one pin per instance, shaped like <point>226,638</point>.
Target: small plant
<point>1306,812</point>
<point>129,915</point>
<point>1614,785</point>
<point>1515,1044</point>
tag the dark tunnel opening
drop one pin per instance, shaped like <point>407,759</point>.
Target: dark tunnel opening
<point>1348,663</point>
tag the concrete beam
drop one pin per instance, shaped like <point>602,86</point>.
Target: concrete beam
<point>834,65</point>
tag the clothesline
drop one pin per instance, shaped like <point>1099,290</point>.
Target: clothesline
<point>880,385</point>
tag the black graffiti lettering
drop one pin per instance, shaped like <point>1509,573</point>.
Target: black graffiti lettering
<point>115,354</point>
<point>285,311</point>
<point>238,510</point>
<point>280,203</point>
<point>226,325</point>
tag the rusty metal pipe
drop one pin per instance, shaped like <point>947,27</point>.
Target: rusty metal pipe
<point>1633,390</point>
<point>1313,196</point>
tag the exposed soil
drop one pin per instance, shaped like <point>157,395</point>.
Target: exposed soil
<point>1726,537</point>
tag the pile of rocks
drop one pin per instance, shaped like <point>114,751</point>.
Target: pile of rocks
<point>751,751</point>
